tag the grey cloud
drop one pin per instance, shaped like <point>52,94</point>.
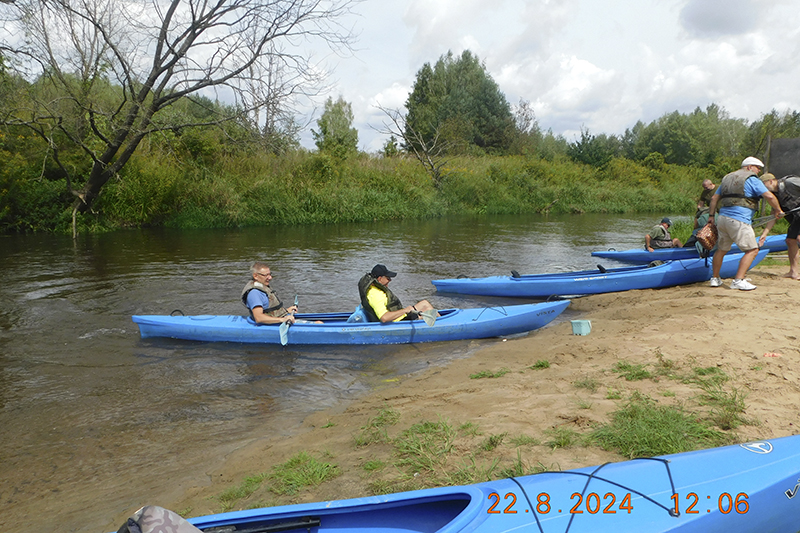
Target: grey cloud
<point>707,19</point>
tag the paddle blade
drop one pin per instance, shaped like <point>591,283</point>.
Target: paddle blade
<point>429,316</point>
<point>284,333</point>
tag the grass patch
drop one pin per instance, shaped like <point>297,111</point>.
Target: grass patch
<point>562,437</point>
<point>583,404</point>
<point>631,372</point>
<point>425,446</point>
<point>727,407</point>
<point>523,440</point>
<point>302,470</point>
<point>493,442</point>
<point>375,430</point>
<point>229,497</point>
<point>374,465</point>
<point>540,365</point>
<point>642,428</point>
<point>613,394</point>
<point>707,376</point>
<point>489,374</point>
<point>589,384</point>
<point>470,429</point>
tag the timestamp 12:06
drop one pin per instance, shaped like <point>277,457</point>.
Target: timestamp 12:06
<point>725,503</point>
<point>593,503</point>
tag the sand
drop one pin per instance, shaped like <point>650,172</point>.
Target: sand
<point>750,336</point>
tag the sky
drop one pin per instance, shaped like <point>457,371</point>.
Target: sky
<point>596,65</point>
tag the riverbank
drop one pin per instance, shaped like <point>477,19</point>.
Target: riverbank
<point>748,337</point>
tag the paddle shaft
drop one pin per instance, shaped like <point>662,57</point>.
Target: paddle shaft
<point>760,221</point>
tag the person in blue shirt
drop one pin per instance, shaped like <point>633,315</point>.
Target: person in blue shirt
<point>737,198</point>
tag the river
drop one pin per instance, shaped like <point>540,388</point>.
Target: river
<point>89,411</point>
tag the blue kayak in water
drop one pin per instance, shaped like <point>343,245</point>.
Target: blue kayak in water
<point>602,280</point>
<point>773,243</point>
<point>744,488</point>
<point>453,324</point>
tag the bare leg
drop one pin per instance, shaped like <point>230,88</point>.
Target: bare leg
<point>794,252</point>
<point>716,264</point>
<point>744,264</point>
<point>423,305</point>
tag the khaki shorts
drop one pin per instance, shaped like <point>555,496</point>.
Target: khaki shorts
<point>733,231</point>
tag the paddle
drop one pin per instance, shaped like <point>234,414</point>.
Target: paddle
<point>283,330</point>
<point>765,219</point>
<point>429,316</point>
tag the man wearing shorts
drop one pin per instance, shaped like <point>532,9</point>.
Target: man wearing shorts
<point>737,198</point>
<point>787,190</point>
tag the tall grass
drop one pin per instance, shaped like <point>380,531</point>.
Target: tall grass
<point>157,188</point>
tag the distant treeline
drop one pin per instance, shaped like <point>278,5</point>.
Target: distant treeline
<point>483,156</point>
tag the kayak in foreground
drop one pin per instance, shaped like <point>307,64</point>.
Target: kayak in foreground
<point>773,243</point>
<point>453,324</point>
<point>746,488</point>
<point>667,274</point>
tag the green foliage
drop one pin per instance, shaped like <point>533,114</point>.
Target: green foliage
<point>425,445</point>
<point>336,136</point>
<point>302,470</point>
<point>562,437</point>
<point>541,364</point>
<point>489,374</point>
<point>493,441</point>
<point>459,101</point>
<point>375,430</point>
<point>643,428</point>
<point>594,150</point>
<point>631,372</point>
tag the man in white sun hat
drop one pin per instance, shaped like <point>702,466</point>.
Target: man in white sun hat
<point>737,198</point>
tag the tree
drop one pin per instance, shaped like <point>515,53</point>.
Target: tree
<point>103,72</point>
<point>595,150</point>
<point>431,153</point>
<point>527,134</point>
<point>459,101</point>
<point>336,135</point>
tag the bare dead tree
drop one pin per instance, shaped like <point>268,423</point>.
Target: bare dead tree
<point>432,154</point>
<point>154,53</point>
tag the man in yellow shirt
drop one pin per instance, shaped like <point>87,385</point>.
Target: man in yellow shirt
<point>380,304</point>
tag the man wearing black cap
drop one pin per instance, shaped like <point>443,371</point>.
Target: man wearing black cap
<point>380,304</point>
<point>659,237</point>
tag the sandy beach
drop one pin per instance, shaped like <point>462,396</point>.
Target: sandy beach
<point>750,336</point>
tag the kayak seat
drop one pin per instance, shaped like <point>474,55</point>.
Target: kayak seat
<point>601,268</point>
<point>358,316</point>
<point>655,263</point>
<point>515,274</point>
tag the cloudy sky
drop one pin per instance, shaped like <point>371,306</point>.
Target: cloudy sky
<point>600,65</point>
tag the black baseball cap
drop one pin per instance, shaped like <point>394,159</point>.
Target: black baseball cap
<point>381,270</point>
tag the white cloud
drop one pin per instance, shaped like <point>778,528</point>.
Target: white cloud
<point>583,63</point>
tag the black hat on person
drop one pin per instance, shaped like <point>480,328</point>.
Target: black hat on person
<point>666,221</point>
<point>381,270</point>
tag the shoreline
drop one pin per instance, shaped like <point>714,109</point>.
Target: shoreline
<point>689,326</point>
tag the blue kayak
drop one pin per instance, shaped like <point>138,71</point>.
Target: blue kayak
<point>745,488</point>
<point>773,243</point>
<point>667,274</point>
<point>453,324</point>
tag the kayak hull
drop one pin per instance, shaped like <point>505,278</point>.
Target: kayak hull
<point>668,274</point>
<point>747,488</point>
<point>453,324</point>
<point>773,243</point>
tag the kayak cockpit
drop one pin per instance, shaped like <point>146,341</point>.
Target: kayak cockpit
<point>423,515</point>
